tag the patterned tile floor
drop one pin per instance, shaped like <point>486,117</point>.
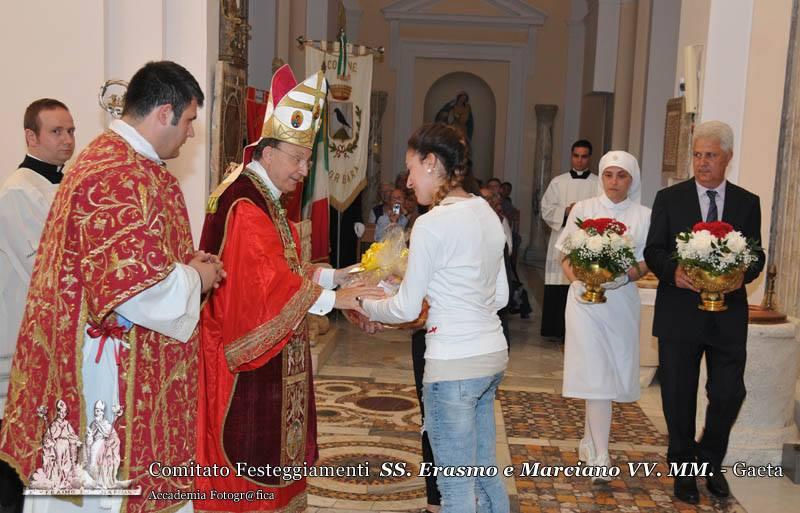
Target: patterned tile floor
<point>365,421</point>
<point>550,416</point>
<point>630,492</point>
<point>368,414</point>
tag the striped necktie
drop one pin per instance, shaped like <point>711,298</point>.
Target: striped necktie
<point>713,215</point>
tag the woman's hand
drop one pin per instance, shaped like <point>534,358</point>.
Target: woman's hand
<point>369,327</point>
<point>351,298</point>
<point>619,281</point>
<point>638,271</point>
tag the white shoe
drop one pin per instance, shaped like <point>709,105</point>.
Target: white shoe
<point>586,452</point>
<point>601,460</point>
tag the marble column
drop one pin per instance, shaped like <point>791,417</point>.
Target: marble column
<point>766,420</point>
<point>784,242</point>
<point>542,167</point>
<point>369,196</point>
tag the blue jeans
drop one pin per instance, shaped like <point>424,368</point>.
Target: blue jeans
<point>459,419</point>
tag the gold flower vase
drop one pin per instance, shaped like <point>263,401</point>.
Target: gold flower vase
<point>593,277</point>
<point>713,287</point>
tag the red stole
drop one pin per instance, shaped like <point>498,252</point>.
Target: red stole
<point>256,391</point>
<point>117,226</point>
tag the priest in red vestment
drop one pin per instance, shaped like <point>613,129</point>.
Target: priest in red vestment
<point>112,310</point>
<point>255,380</point>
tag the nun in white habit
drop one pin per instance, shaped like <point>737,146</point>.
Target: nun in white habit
<point>601,350</point>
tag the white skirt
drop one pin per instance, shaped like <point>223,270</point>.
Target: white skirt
<point>601,345</point>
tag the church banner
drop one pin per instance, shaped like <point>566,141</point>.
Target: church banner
<point>348,119</point>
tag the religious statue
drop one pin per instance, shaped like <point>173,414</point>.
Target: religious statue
<point>102,449</point>
<point>458,113</point>
<point>99,464</point>
<point>60,452</point>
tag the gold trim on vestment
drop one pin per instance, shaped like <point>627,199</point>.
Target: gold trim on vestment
<point>295,391</point>
<point>134,290</point>
<point>309,269</point>
<point>213,199</point>
<point>262,338</point>
<point>294,377</point>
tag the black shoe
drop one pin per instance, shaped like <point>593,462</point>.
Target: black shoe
<point>686,489</point>
<point>717,484</point>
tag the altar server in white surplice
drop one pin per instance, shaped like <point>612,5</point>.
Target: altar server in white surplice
<point>562,193</point>
<point>601,348</point>
<point>25,199</point>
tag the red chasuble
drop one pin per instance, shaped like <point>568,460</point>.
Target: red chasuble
<point>256,406</point>
<point>117,226</point>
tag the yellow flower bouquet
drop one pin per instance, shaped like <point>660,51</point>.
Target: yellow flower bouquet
<point>384,264</point>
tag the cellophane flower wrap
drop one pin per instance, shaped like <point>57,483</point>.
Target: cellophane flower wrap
<point>716,248</point>
<point>384,264</point>
<point>384,260</point>
<point>601,241</point>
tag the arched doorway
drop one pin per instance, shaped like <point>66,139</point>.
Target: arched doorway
<point>483,108</point>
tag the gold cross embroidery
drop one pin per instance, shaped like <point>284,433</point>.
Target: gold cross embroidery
<point>316,91</point>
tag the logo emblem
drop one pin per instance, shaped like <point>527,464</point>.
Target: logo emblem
<point>297,119</point>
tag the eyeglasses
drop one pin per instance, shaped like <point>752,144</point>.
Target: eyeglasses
<point>299,162</point>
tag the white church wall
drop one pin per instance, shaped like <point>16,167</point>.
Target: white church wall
<point>66,50</point>
<point>725,78</point>
<point>50,49</point>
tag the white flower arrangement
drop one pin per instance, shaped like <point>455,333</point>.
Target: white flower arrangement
<point>716,248</point>
<point>601,241</point>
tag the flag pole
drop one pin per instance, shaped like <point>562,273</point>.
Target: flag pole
<point>338,238</point>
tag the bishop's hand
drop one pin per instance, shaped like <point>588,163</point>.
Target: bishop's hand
<point>341,275</point>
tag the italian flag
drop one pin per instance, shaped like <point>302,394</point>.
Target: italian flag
<point>315,193</point>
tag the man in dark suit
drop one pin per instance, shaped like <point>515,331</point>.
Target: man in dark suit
<point>684,332</point>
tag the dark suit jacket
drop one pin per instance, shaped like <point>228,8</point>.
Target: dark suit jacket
<point>677,209</point>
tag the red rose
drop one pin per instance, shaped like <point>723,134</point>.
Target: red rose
<point>718,229</point>
<point>617,227</point>
<point>587,224</point>
<point>603,224</point>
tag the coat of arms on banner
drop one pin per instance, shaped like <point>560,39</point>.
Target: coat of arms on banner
<point>345,128</point>
<point>341,126</point>
<point>348,112</point>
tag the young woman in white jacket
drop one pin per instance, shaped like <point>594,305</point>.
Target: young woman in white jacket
<point>455,261</point>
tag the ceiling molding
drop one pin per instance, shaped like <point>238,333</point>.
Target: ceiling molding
<point>516,13</point>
